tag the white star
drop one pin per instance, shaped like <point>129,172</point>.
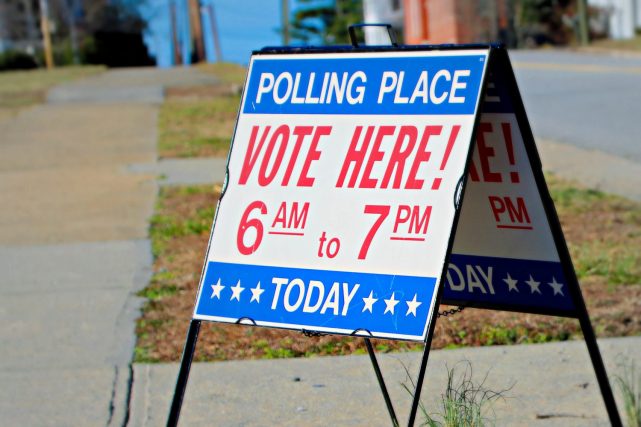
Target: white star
<point>556,286</point>
<point>511,283</point>
<point>369,302</point>
<point>256,293</point>
<point>412,306</point>
<point>534,285</point>
<point>235,292</point>
<point>216,289</point>
<point>390,304</point>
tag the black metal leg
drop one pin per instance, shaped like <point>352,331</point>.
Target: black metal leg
<point>419,383</point>
<point>381,382</point>
<point>183,374</point>
<point>599,369</point>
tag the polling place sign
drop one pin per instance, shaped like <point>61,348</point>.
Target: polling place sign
<point>339,202</point>
<point>366,186</point>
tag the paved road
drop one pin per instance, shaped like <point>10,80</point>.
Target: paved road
<point>587,100</point>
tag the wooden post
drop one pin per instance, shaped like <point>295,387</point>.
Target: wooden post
<point>178,60</point>
<point>46,37</point>
<point>196,27</point>
<point>582,12</point>
<point>285,18</point>
<point>214,32</point>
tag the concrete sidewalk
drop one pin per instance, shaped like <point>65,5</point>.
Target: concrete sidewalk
<point>74,247</point>
<point>546,385</point>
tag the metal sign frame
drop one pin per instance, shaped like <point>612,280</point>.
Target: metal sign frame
<point>498,58</point>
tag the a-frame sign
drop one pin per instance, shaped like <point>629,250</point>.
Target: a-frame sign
<point>365,186</point>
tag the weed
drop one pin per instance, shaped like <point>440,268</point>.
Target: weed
<point>141,355</point>
<point>164,228</point>
<point>383,348</point>
<point>497,335</point>
<point>464,402</point>
<point>502,335</point>
<point>278,353</point>
<point>261,344</point>
<point>629,385</point>
<point>157,291</point>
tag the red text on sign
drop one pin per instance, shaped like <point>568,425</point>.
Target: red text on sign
<point>412,218</point>
<point>382,211</point>
<point>409,149</point>
<point>328,246</point>
<point>510,212</point>
<point>267,148</point>
<point>290,219</point>
<point>410,224</point>
<point>487,154</point>
<point>248,225</point>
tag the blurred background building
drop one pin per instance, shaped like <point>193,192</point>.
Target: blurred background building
<point>172,32</point>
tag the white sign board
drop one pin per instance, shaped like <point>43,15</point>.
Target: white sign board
<point>339,200</point>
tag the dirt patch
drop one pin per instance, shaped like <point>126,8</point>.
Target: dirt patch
<point>593,220</point>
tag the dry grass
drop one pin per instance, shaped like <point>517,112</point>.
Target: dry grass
<point>228,73</point>
<point>631,45</point>
<point>19,89</point>
<point>197,127</point>
<point>198,121</point>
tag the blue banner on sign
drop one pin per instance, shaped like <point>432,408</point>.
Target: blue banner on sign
<point>404,85</point>
<point>317,299</point>
<point>509,282</point>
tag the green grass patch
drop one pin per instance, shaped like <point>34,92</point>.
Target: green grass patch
<point>161,285</point>
<point>569,198</point>
<point>603,232</point>
<point>501,335</point>
<point>166,227</point>
<point>143,354</point>
<point>202,124</point>
<point>197,127</point>
<point>620,265</point>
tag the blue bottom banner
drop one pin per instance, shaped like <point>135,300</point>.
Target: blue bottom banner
<point>507,283</point>
<point>387,306</point>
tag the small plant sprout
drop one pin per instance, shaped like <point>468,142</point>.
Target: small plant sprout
<point>464,403</point>
<point>629,385</point>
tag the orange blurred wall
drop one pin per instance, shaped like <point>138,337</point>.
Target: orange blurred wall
<point>453,21</point>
